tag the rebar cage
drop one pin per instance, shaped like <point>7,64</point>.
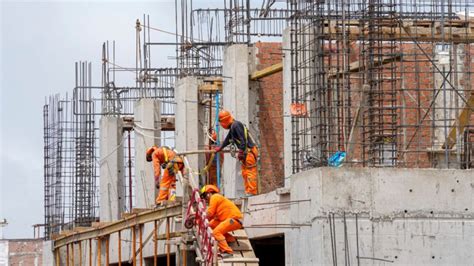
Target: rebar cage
<point>388,82</point>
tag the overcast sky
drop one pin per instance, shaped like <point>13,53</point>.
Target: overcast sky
<point>40,41</point>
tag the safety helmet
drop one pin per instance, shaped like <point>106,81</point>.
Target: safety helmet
<point>225,119</point>
<point>208,189</point>
<point>149,152</point>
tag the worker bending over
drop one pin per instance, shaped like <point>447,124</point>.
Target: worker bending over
<point>239,136</point>
<point>223,216</point>
<point>166,159</point>
<point>212,166</point>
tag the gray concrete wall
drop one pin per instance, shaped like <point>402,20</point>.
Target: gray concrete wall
<point>147,133</point>
<point>112,189</point>
<point>236,99</point>
<point>263,212</point>
<point>404,216</point>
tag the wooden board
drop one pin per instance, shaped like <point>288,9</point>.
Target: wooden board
<point>240,246</point>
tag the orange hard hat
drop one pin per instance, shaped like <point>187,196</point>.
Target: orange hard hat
<point>225,119</point>
<point>149,152</point>
<point>209,189</point>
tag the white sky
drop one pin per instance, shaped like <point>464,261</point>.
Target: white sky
<point>40,41</point>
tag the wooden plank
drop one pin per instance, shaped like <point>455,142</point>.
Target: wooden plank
<point>267,71</point>
<point>240,248</point>
<point>239,233</point>
<point>248,254</point>
<point>235,260</point>
<point>457,31</point>
<point>359,66</point>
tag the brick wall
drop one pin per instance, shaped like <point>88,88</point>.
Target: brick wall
<point>270,115</point>
<point>25,252</point>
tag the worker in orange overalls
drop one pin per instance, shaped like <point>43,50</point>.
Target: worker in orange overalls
<point>248,151</point>
<point>223,216</point>
<point>212,166</point>
<point>166,159</point>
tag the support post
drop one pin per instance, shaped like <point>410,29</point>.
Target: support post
<point>240,100</point>
<point>112,192</point>
<point>147,133</point>
<point>287,131</point>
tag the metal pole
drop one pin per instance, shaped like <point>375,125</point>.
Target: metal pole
<point>107,250</point>
<point>90,252</point>
<point>140,233</point>
<point>99,251</point>
<point>119,248</point>
<point>155,243</point>
<point>72,254</point>
<point>80,253</point>
<point>134,243</point>
<point>67,255</point>
<point>58,258</point>
<point>130,201</point>
<point>168,257</point>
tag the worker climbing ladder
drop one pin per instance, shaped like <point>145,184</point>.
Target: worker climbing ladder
<point>196,220</point>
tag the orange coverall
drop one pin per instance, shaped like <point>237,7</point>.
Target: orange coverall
<point>238,135</point>
<point>168,181</point>
<point>250,172</point>
<point>224,217</point>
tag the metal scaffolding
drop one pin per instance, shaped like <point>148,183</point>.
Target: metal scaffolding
<point>386,81</point>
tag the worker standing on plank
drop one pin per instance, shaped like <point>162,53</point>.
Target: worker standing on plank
<point>240,137</point>
<point>166,159</point>
<point>223,216</point>
<point>212,166</point>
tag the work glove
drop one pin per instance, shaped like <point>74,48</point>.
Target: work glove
<point>241,155</point>
<point>217,149</point>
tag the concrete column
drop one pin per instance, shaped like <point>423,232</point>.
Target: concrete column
<point>147,133</point>
<point>188,130</point>
<point>287,132</point>
<point>112,190</point>
<point>241,102</point>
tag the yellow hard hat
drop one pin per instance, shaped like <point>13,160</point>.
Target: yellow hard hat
<point>209,189</point>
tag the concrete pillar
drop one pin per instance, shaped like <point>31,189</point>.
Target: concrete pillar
<point>241,102</point>
<point>188,130</point>
<point>287,132</point>
<point>112,190</point>
<point>147,133</point>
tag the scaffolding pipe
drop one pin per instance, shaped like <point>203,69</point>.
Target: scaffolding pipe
<point>140,233</point>
<point>119,248</point>
<point>155,244</point>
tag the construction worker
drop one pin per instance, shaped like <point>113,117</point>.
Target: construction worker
<point>166,159</point>
<point>248,152</point>
<point>212,166</point>
<point>223,216</point>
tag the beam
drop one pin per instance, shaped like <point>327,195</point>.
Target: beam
<point>267,71</point>
<point>114,227</point>
<point>167,123</point>
<point>461,123</point>
<point>358,66</point>
<point>456,31</point>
